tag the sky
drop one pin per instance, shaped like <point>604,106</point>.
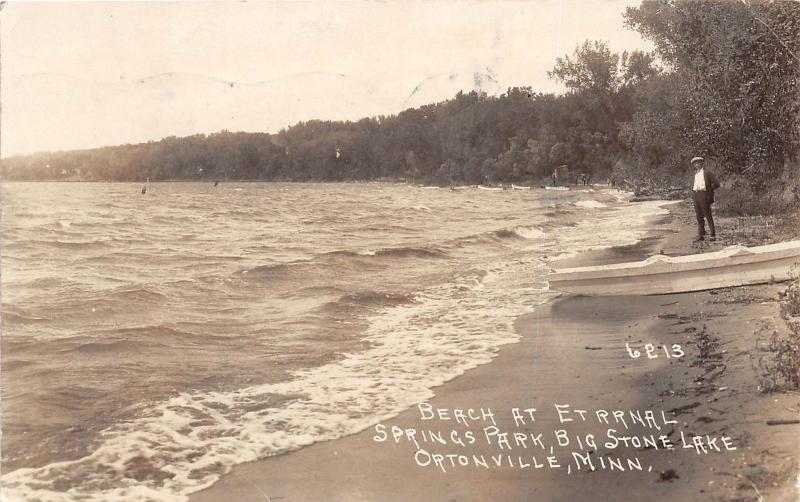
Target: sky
<point>86,74</point>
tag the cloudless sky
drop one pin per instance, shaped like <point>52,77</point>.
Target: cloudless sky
<point>78,75</point>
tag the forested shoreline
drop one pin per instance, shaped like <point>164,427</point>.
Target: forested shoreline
<point>722,83</point>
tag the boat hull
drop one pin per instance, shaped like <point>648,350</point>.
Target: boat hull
<point>734,266</point>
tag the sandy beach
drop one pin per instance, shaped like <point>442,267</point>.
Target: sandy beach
<point>711,378</point>
<point>317,251</point>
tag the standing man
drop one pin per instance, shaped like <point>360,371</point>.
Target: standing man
<point>703,196</point>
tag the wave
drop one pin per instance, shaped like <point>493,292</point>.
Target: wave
<point>412,252</point>
<point>47,283</point>
<point>13,364</point>
<point>519,233</point>
<point>37,244</point>
<point>377,298</point>
<point>398,252</point>
<point>355,302</point>
<point>137,339</point>
<point>316,291</point>
<point>505,233</point>
<point>501,236</point>
<point>349,260</point>
<point>12,317</point>
<point>101,215</point>
<point>135,294</point>
<point>231,213</point>
<point>184,444</point>
<point>171,220</point>
<point>591,204</point>
<point>124,300</point>
<point>106,205</point>
<point>114,346</point>
<point>115,257</point>
<point>412,344</point>
<point>530,232</point>
<point>277,270</point>
<point>385,227</point>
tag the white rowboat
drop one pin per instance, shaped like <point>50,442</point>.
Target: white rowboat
<point>659,274</point>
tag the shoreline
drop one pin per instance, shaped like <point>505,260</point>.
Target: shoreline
<point>572,351</point>
<point>289,471</point>
<point>487,321</point>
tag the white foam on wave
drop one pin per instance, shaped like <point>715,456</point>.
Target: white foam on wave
<point>194,438</point>
<point>622,226</point>
<point>530,232</point>
<point>187,442</point>
<point>592,204</point>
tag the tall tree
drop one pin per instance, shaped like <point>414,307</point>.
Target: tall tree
<point>737,76</point>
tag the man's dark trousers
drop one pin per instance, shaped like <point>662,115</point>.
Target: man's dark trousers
<point>702,209</point>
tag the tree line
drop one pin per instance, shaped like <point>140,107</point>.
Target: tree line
<point>722,82</point>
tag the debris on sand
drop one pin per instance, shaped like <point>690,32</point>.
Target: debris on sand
<point>668,475</point>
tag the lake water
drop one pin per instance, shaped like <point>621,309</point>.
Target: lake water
<point>150,342</point>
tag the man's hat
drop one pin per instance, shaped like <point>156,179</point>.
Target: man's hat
<point>697,159</point>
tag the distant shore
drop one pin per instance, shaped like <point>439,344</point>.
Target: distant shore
<point>573,351</point>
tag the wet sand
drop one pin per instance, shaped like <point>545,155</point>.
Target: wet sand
<point>573,352</point>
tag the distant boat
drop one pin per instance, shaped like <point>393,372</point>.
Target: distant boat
<point>460,188</point>
<point>556,188</point>
<point>520,187</point>
<point>659,274</point>
<point>494,189</point>
<point>430,187</point>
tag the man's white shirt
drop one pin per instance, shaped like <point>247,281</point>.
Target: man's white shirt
<point>699,181</point>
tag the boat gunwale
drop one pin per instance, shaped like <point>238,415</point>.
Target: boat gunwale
<point>658,264</point>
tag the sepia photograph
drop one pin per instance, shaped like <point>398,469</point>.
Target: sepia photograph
<point>362,250</point>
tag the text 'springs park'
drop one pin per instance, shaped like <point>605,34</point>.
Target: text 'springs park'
<point>559,436</point>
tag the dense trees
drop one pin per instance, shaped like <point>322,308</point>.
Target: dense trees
<point>723,83</point>
<point>472,138</point>
<point>731,91</point>
<point>466,139</point>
